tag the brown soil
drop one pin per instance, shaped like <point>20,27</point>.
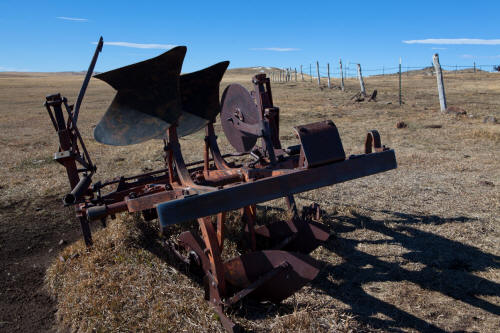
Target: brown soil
<point>29,243</point>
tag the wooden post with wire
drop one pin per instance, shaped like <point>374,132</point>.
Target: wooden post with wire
<point>400,95</point>
<point>317,71</point>
<point>295,74</point>
<point>440,82</point>
<point>361,82</point>
<point>310,72</point>
<point>341,75</point>
<point>301,73</point>
<point>328,73</point>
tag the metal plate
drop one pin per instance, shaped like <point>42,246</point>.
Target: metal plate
<point>309,234</point>
<point>236,100</point>
<point>321,143</point>
<point>147,101</point>
<point>245,269</point>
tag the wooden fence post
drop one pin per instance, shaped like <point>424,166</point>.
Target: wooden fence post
<point>317,71</point>
<point>361,82</point>
<point>474,67</point>
<point>341,75</point>
<point>400,94</point>
<point>328,71</point>
<point>310,72</point>
<point>301,73</point>
<point>295,74</point>
<point>440,82</point>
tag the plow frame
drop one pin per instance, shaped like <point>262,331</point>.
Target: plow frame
<point>183,192</point>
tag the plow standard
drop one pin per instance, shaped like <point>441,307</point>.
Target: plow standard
<point>154,101</point>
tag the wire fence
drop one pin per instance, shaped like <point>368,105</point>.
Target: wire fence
<point>350,70</point>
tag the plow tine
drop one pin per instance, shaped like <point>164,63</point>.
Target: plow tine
<point>294,235</point>
<point>250,271</point>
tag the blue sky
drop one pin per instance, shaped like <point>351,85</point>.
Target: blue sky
<point>58,35</point>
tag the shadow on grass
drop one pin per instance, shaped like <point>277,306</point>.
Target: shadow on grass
<point>448,268</point>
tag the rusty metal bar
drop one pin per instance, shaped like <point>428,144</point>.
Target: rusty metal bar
<point>267,189</point>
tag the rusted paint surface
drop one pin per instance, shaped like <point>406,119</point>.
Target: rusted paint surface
<point>165,104</point>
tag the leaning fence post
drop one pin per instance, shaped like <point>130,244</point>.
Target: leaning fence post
<point>317,70</point>
<point>361,82</point>
<point>440,82</point>
<point>341,75</point>
<point>328,71</point>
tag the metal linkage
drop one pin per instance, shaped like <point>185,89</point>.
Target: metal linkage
<point>181,192</point>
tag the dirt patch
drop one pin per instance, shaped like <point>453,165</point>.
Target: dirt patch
<point>29,238</point>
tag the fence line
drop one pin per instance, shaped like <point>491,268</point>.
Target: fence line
<point>327,71</point>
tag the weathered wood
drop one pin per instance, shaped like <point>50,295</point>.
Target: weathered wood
<point>440,82</point>
<point>301,73</point>
<point>400,92</point>
<point>328,71</point>
<point>317,71</point>
<point>310,72</point>
<point>361,82</point>
<point>341,75</point>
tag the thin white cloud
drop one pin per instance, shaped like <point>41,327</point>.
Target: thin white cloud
<point>140,45</point>
<point>276,49</point>
<point>439,48</point>
<point>471,56</point>
<point>13,69</point>
<point>454,41</point>
<point>75,19</point>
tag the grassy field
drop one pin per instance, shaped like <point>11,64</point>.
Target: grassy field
<point>415,249</point>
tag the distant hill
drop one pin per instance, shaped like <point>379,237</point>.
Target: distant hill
<point>251,70</point>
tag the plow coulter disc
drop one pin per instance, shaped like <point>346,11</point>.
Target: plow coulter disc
<point>238,105</point>
<point>297,270</point>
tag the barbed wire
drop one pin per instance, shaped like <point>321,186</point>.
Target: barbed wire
<point>350,71</point>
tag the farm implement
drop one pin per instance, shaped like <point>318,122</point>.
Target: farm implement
<point>154,101</point>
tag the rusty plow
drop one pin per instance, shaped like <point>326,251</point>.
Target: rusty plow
<point>155,101</point>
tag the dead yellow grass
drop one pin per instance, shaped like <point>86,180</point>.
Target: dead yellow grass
<point>415,249</point>
<point>129,283</point>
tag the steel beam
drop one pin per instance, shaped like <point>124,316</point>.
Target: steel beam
<point>237,196</point>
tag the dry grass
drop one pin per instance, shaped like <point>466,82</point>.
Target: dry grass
<point>416,249</point>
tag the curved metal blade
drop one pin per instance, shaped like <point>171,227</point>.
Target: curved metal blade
<point>200,98</point>
<point>237,101</point>
<point>248,268</point>
<point>147,101</point>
